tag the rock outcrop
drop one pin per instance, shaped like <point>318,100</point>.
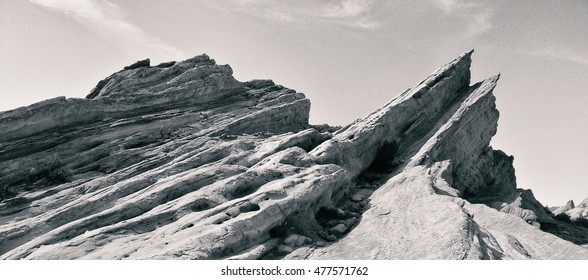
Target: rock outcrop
<point>579,212</point>
<point>574,212</point>
<point>562,209</point>
<point>182,161</point>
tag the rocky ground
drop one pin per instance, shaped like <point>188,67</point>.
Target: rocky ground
<point>182,161</point>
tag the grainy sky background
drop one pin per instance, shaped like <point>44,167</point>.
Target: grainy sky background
<point>349,57</point>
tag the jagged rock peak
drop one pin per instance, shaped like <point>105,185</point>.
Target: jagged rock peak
<point>409,117</point>
<point>457,65</point>
<point>197,73</point>
<point>181,161</point>
<point>140,89</point>
<point>562,209</point>
<point>570,205</point>
<point>574,212</point>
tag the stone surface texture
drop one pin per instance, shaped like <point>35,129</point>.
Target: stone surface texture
<point>574,212</point>
<point>182,161</point>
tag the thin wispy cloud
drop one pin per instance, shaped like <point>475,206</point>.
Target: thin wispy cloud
<point>480,22</point>
<point>107,20</point>
<point>449,6</point>
<point>561,54</point>
<point>354,13</point>
<point>477,14</point>
<point>347,8</point>
<point>278,15</point>
<point>351,13</point>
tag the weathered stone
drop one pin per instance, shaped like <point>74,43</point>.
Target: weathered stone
<point>139,64</point>
<point>349,223</point>
<point>355,207</point>
<point>338,230</point>
<point>578,214</point>
<point>258,251</point>
<point>233,212</point>
<point>320,244</point>
<point>283,249</point>
<point>357,198</point>
<point>569,206</point>
<point>296,240</point>
<point>332,223</point>
<point>165,64</point>
<point>181,160</point>
<point>331,238</point>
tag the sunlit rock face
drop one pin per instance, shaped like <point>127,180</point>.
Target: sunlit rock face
<point>182,161</point>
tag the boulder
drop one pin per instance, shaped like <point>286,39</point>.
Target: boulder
<point>283,249</point>
<point>338,230</point>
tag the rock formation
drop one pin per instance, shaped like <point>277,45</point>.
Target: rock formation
<point>182,161</point>
<point>562,209</point>
<point>574,212</point>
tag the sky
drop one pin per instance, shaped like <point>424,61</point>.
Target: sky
<point>349,57</point>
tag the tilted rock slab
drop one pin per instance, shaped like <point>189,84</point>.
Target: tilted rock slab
<point>182,161</point>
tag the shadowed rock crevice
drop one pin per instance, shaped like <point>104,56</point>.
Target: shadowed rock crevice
<point>384,160</point>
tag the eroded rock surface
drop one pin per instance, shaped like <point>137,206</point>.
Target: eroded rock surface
<point>562,209</point>
<point>182,161</point>
<point>580,211</point>
<point>573,211</point>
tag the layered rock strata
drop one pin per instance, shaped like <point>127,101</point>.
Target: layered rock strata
<point>181,161</point>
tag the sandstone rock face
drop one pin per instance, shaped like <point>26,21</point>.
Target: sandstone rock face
<point>569,206</point>
<point>182,161</point>
<point>574,212</point>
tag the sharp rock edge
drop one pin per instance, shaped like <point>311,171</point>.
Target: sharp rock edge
<point>182,161</point>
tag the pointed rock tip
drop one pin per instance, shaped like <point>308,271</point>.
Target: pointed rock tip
<point>463,59</point>
<point>570,204</point>
<point>466,55</point>
<point>491,80</point>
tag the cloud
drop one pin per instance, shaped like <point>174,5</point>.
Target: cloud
<point>476,14</point>
<point>107,21</point>
<point>353,13</point>
<point>278,15</point>
<point>562,54</point>
<point>346,9</point>
<point>350,13</point>
<point>449,6</point>
<point>480,22</point>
